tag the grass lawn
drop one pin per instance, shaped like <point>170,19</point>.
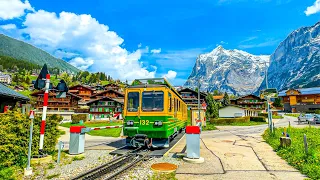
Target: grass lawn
<point>106,132</point>
<point>308,164</point>
<point>277,117</point>
<point>293,115</point>
<point>115,132</point>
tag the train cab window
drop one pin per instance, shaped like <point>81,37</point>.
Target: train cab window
<point>170,102</point>
<point>152,101</point>
<point>133,101</point>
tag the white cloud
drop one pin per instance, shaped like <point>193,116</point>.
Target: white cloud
<point>10,9</point>
<point>8,27</point>
<point>81,63</point>
<point>139,45</point>
<point>98,48</point>
<point>315,8</point>
<point>170,75</point>
<point>156,51</point>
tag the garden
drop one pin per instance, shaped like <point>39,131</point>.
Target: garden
<point>14,133</point>
<point>307,163</point>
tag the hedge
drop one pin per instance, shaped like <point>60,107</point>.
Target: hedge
<point>263,114</point>
<point>258,119</point>
<point>77,117</point>
<point>14,133</point>
<point>229,120</point>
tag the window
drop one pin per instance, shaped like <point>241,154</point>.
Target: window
<point>152,101</point>
<point>133,101</point>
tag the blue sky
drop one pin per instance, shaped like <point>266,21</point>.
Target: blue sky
<point>143,38</point>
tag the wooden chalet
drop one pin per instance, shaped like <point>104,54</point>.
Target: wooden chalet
<point>114,87</point>
<point>10,98</point>
<point>104,108</point>
<point>190,97</point>
<point>301,100</point>
<point>85,92</point>
<point>69,103</point>
<point>249,101</point>
<point>108,93</point>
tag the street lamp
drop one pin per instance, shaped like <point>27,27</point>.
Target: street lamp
<point>268,98</point>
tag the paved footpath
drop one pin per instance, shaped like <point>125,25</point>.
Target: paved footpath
<point>237,153</point>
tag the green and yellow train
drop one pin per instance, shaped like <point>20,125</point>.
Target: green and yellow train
<point>154,113</point>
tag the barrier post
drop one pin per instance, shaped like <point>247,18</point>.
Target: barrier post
<point>28,170</point>
<point>193,144</point>
<point>44,114</point>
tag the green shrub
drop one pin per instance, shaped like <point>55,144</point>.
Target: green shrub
<point>258,119</point>
<point>229,120</point>
<point>7,173</point>
<point>77,117</point>
<point>14,133</point>
<point>317,111</point>
<point>263,114</point>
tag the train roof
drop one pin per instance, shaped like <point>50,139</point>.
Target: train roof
<point>152,82</point>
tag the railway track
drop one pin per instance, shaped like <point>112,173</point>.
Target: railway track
<point>115,167</point>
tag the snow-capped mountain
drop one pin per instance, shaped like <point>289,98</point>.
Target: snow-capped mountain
<point>296,61</point>
<point>234,71</point>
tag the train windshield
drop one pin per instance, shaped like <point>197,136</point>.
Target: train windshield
<point>152,101</point>
<point>133,101</point>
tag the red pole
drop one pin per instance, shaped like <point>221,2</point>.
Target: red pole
<point>44,112</point>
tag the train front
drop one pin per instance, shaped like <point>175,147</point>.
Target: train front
<point>145,117</point>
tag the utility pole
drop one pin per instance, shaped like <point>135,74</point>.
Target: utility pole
<point>199,99</point>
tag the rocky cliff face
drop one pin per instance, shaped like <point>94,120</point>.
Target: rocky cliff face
<point>233,71</point>
<point>296,61</point>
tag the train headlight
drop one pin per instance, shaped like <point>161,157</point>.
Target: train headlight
<point>130,123</point>
<point>158,123</point>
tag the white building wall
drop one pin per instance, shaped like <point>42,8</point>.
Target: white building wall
<point>231,111</point>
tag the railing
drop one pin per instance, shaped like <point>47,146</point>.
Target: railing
<point>244,102</point>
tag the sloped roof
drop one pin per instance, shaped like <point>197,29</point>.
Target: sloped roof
<point>6,91</point>
<point>103,98</point>
<point>87,87</point>
<point>100,93</point>
<point>53,91</point>
<point>303,91</point>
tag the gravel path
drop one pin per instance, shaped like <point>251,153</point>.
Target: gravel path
<point>143,170</point>
<point>69,167</point>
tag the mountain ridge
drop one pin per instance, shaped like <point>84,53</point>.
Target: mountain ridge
<point>234,71</point>
<point>21,50</point>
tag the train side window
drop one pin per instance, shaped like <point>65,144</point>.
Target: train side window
<point>170,102</point>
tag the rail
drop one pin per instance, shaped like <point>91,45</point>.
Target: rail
<point>111,168</point>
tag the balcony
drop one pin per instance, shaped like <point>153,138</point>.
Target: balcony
<point>55,100</point>
<point>247,102</point>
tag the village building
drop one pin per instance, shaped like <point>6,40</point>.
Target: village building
<point>10,98</point>
<point>190,97</point>
<point>108,93</point>
<point>83,91</point>
<point>68,103</point>
<point>104,108</point>
<point>250,101</point>
<point>5,78</point>
<point>234,111</point>
<point>301,100</point>
<point>114,87</point>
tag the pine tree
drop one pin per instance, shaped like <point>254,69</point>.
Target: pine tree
<point>212,110</point>
<point>225,100</point>
<point>277,103</point>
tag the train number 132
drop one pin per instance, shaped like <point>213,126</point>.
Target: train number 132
<point>144,122</point>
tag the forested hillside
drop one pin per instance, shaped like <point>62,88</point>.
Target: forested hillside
<point>21,50</point>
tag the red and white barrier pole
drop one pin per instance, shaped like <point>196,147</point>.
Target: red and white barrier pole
<point>44,112</point>
<point>106,127</point>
